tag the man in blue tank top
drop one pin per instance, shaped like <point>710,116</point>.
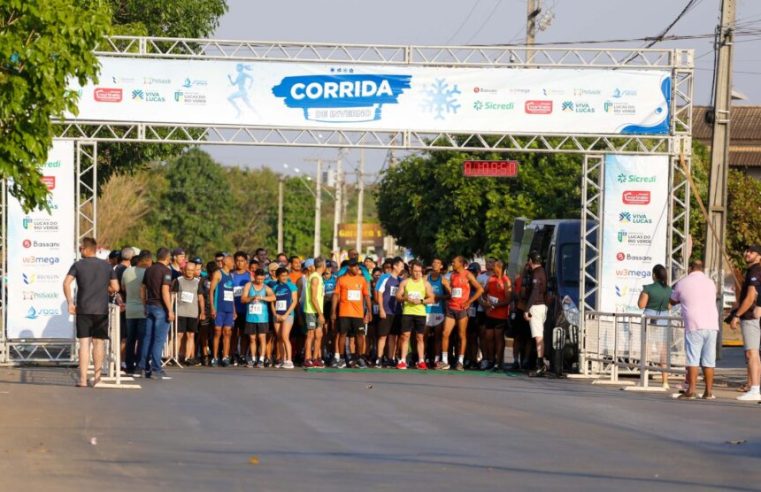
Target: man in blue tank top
<point>238,340</point>
<point>257,298</point>
<point>223,309</point>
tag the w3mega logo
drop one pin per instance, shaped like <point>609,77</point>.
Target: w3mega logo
<point>344,98</point>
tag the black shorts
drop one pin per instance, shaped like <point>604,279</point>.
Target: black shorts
<point>239,325</point>
<point>350,326</point>
<point>456,314</point>
<point>481,315</point>
<point>414,323</point>
<point>92,326</point>
<point>257,328</point>
<point>187,325</point>
<point>495,323</point>
<point>519,327</point>
<point>389,326</point>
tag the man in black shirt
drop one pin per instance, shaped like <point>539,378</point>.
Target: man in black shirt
<point>159,313</point>
<point>95,281</point>
<point>746,318</point>
<point>536,309</point>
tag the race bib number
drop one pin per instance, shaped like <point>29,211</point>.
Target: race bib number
<point>280,305</point>
<point>457,293</point>
<point>228,296</point>
<point>238,291</point>
<point>354,295</point>
<point>186,297</point>
<point>375,309</point>
<point>392,290</point>
<point>472,312</point>
<point>493,300</point>
<point>415,296</point>
<point>255,308</point>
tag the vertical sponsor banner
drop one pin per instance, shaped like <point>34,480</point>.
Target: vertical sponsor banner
<point>40,250</point>
<point>634,227</point>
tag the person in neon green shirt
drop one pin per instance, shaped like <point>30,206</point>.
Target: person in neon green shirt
<point>315,318</point>
<point>414,292</point>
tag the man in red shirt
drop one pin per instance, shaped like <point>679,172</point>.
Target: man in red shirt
<point>496,304</point>
<point>463,290</point>
<point>352,308</point>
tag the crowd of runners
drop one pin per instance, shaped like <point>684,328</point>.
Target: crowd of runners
<point>249,310</point>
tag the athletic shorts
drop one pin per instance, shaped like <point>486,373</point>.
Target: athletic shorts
<point>389,326</point>
<point>187,325</point>
<point>224,319</point>
<point>481,318</point>
<point>312,321</point>
<point>700,348</point>
<point>434,319</point>
<point>92,326</point>
<point>412,323</point>
<point>350,326</point>
<point>538,314</point>
<point>495,323</point>
<point>751,333</point>
<point>456,314</point>
<point>257,328</point>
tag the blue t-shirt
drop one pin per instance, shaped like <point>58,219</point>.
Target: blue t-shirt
<point>362,269</point>
<point>239,281</point>
<point>330,286</point>
<point>270,282</point>
<point>283,296</point>
<point>224,298</point>
<point>438,290</point>
<point>387,285</point>
<point>257,311</point>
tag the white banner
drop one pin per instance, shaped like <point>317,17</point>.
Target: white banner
<point>41,249</point>
<point>635,221</point>
<point>309,95</point>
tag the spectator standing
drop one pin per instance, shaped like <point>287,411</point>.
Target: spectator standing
<point>131,282</point>
<point>654,299</point>
<point>697,295</point>
<point>745,317</point>
<point>95,281</point>
<point>159,312</point>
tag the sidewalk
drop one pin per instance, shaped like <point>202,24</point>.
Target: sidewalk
<point>730,370</point>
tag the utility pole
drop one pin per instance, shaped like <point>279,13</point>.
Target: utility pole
<point>280,214</point>
<point>360,197</point>
<point>533,9</point>
<point>717,195</point>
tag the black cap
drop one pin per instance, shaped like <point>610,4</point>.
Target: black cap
<point>474,267</point>
<point>197,260</point>
<point>754,247</point>
<point>178,252</point>
<point>115,254</point>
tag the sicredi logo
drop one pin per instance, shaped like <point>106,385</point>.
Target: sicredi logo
<point>636,197</point>
<point>538,107</point>
<point>107,94</point>
<point>341,98</point>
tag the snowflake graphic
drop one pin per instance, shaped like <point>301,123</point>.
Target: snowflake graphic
<point>440,97</point>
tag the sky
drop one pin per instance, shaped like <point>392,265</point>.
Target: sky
<point>465,22</point>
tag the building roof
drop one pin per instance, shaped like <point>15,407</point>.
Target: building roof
<point>745,134</point>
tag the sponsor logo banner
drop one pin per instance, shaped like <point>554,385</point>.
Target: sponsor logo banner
<point>634,228</point>
<point>41,248</point>
<point>382,97</point>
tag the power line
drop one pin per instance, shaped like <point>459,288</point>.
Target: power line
<point>465,21</point>
<point>486,21</point>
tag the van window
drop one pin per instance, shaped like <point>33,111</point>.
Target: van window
<point>569,264</point>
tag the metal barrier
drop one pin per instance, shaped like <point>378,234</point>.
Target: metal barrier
<point>171,352</point>
<point>632,344</point>
<point>113,361</point>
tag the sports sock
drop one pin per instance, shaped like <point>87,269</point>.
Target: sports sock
<point>445,357</point>
<point>755,390</point>
<point>460,358</point>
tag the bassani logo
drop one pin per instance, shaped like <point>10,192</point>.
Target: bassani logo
<point>341,98</point>
<point>493,106</point>
<point>627,257</point>
<point>633,178</point>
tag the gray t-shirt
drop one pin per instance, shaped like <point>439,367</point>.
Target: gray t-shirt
<point>132,279</point>
<point>187,291</point>
<point>93,276</point>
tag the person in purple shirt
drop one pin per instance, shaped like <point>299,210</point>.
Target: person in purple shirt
<point>697,295</point>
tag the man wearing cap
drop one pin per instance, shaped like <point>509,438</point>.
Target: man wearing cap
<point>178,262</point>
<point>190,308</point>
<point>746,318</point>
<point>351,308</point>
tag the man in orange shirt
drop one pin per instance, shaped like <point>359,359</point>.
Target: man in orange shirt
<point>351,307</point>
<point>496,303</point>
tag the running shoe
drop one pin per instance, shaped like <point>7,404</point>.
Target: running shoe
<point>308,363</point>
<point>750,397</point>
<point>213,362</point>
<point>267,362</point>
<point>442,366</point>
<point>225,362</point>
<point>459,367</point>
<point>319,363</point>
<point>250,364</point>
<point>234,361</point>
<point>163,376</point>
<point>378,364</point>
<point>484,365</point>
<point>352,364</point>
<point>516,367</point>
<point>540,372</point>
<point>422,366</point>
<point>288,364</point>
<point>362,364</point>
<point>278,364</point>
<point>401,365</point>
<point>341,364</point>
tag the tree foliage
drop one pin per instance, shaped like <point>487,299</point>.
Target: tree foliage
<point>744,217</point>
<point>42,46</point>
<point>430,207</point>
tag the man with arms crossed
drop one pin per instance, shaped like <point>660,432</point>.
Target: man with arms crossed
<point>463,290</point>
<point>536,313</point>
<point>95,281</point>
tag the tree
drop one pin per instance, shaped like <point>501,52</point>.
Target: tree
<point>430,207</point>
<point>744,217</point>
<point>165,18</point>
<point>42,46</point>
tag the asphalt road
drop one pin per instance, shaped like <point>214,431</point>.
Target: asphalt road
<point>259,430</point>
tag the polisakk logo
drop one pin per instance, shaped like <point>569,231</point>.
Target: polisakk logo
<point>344,98</point>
